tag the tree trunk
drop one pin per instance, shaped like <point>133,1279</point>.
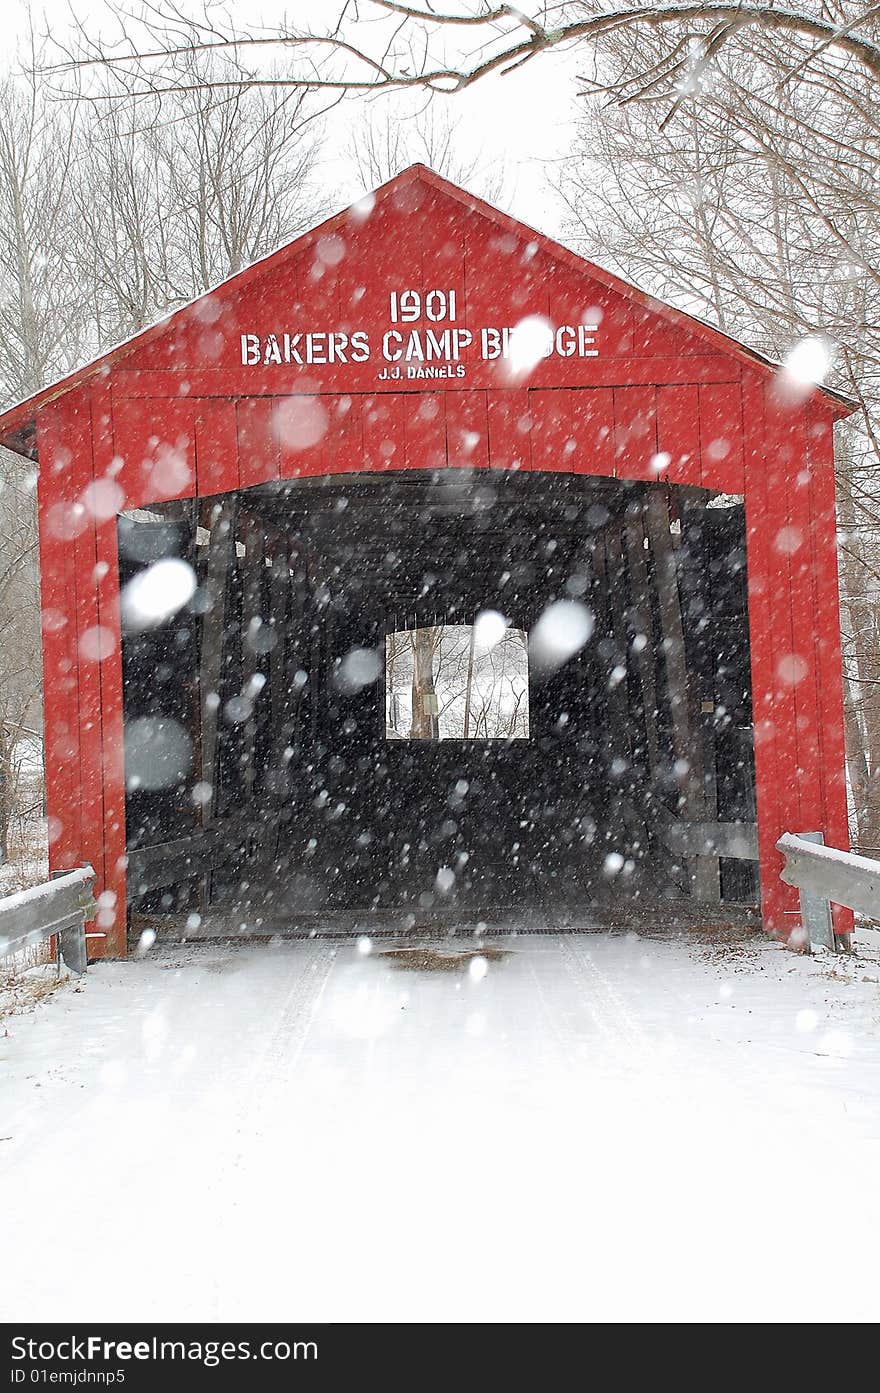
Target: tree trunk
<point>425,723</point>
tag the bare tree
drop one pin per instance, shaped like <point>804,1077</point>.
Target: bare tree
<point>425,714</point>
<point>384,144</point>
<point>763,216</point>
<point>456,686</point>
<point>20,671</point>
<point>171,201</point>
<point>382,45</point>
<point>41,313</point>
<point>109,217</point>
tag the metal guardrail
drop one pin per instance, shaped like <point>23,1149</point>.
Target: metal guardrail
<point>824,875</point>
<point>60,907</point>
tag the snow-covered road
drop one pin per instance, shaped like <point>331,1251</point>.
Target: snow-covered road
<point>599,1127</point>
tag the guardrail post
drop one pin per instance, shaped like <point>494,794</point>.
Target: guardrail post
<point>816,912</point>
<point>70,943</point>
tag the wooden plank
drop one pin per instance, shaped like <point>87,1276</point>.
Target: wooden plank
<point>92,642</point>
<point>383,433</point>
<point>721,437</point>
<point>217,447</point>
<point>343,446</point>
<point>736,840</point>
<point>695,581</point>
<point>221,555</point>
<point>424,421</point>
<point>678,432</point>
<point>509,424</point>
<point>686,751</point>
<point>635,433</point>
<point>656,521</point>
<point>156,443</point>
<point>786,664</point>
<point>552,435</point>
<point>259,450</point>
<point>634,537</point>
<point>573,431</point>
<point>467,430</point>
<point>188,858</point>
<point>633,742</point>
<point>296,648</point>
<point>768,773</point>
<point>58,483</point>
<point>826,639</point>
<point>251,661</point>
<point>112,916</point>
<point>604,710</point>
<point>794,537</point>
<point>280,595</point>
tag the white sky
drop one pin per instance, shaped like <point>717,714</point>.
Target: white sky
<point>524,120</point>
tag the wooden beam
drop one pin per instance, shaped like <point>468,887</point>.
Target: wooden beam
<point>692,510</point>
<point>686,749</point>
<point>618,690</point>
<point>634,534</point>
<point>221,555</point>
<point>280,612</point>
<point>709,840</point>
<point>167,863</point>
<point>251,659</point>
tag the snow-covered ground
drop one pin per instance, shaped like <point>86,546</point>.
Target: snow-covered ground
<point>599,1127</point>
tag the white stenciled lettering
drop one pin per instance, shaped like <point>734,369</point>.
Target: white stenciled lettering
<point>392,346</point>
<point>315,348</point>
<point>360,346</point>
<point>437,345</point>
<point>406,306</point>
<point>564,340</point>
<point>250,350</point>
<point>586,336</point>
<point>490,344</point>
<point>414,347</point>
<point>336,346</point>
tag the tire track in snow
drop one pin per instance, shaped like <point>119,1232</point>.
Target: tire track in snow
<point>613,1019</point>
<point>277,1062</point>
<point>261,1100</point>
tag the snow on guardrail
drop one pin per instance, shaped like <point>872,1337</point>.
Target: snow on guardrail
<point>825,874</point>
<point>61,907</point>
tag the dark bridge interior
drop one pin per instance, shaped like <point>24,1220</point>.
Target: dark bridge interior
<point>263,790</point>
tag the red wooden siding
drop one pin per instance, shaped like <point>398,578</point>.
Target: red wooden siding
<point>825,632</point>
<point>217,449</point>
<point>179,414</point>
<point>678,432</point>
<point>111,916</point>
<point>82,654</point>
<point>425,431</point>
<point>60,442</point>
<point>155,442</point>
<point>510,430</point>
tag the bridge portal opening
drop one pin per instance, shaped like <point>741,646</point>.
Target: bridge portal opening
<point>455,697</point>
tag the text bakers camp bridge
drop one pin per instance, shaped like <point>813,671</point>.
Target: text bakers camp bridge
<point>416,413</point>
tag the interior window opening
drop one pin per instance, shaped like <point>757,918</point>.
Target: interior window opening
<point>457,681</point>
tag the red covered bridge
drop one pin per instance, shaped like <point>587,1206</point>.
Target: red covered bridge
<point>417,413</point>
